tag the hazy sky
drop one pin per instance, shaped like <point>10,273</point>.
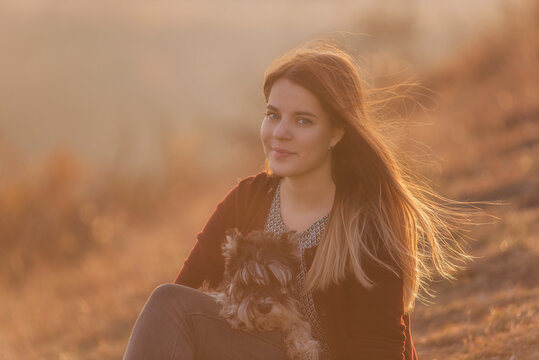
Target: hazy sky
<point>99,76</point>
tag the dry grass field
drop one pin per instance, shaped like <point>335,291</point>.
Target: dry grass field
<point>82,249</point>
<point>489,140</point>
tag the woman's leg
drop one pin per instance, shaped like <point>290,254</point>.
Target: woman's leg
<point>179,322</point>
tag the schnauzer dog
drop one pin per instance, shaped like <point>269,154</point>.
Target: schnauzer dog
<point>257,291</point>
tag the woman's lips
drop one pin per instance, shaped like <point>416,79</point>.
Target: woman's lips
<point>281,153</point>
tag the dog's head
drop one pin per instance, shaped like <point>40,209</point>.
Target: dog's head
<point>260,268</point>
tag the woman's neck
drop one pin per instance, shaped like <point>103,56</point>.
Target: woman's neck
<point>308,193</point>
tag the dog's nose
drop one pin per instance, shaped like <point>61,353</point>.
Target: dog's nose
<point>264,308</point>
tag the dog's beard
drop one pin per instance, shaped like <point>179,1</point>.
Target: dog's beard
<point>283,313</point>
<point>241,309</point>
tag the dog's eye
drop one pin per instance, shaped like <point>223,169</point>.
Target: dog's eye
<point>239,292</point>
<point>281,275</point>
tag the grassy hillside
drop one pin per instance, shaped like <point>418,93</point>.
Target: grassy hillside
<point>488,140</point>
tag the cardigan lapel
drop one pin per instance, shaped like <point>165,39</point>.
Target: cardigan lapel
<point>259,205</point>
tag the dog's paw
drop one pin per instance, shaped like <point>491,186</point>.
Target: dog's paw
<point>301,345</point>
<point>312,350</point>
<point>303,355</point>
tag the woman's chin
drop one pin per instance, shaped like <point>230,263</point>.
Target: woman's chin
<point>279,171</point>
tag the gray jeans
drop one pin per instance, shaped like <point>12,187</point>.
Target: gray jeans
<point>179,322</point>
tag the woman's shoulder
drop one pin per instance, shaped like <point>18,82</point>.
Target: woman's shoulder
<point>252,188</point>
<point>257,182</point>
<point>250,195</point>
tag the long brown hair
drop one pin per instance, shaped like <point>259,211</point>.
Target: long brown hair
<point>381,213</point>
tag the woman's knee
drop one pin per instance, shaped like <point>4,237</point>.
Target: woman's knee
<point>179,296</point>
<point>165,303</point>
<point>166,294</point>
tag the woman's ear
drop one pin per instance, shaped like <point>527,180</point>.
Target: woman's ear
<point>337,133</point>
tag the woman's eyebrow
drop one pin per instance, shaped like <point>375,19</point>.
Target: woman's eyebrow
<point>271,107</point>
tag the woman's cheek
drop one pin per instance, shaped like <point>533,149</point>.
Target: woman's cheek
<point>265,132</point>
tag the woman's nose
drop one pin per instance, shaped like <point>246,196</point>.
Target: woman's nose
<point>281,130</point>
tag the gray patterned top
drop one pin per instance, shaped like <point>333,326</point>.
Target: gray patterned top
<point>308,239</point>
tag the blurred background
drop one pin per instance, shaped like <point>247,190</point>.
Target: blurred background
<point>122,124</point>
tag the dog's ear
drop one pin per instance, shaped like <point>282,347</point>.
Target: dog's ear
<point>288,238</point>
<point>232,232</point>
<point>289,242</point>
<point>230,245</point>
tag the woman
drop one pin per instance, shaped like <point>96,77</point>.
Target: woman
<point>366,230</point>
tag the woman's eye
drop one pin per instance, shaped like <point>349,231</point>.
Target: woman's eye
<point>271,115</point>
<point>304,121</point>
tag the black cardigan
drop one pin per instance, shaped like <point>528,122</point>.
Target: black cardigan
<point>359,323</point>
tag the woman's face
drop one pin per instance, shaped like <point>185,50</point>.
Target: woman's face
<point>296,132</point>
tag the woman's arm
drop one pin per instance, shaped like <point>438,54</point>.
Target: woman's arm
<point>239,209</point>
<point>205,261</point>
<point>375,327</point>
